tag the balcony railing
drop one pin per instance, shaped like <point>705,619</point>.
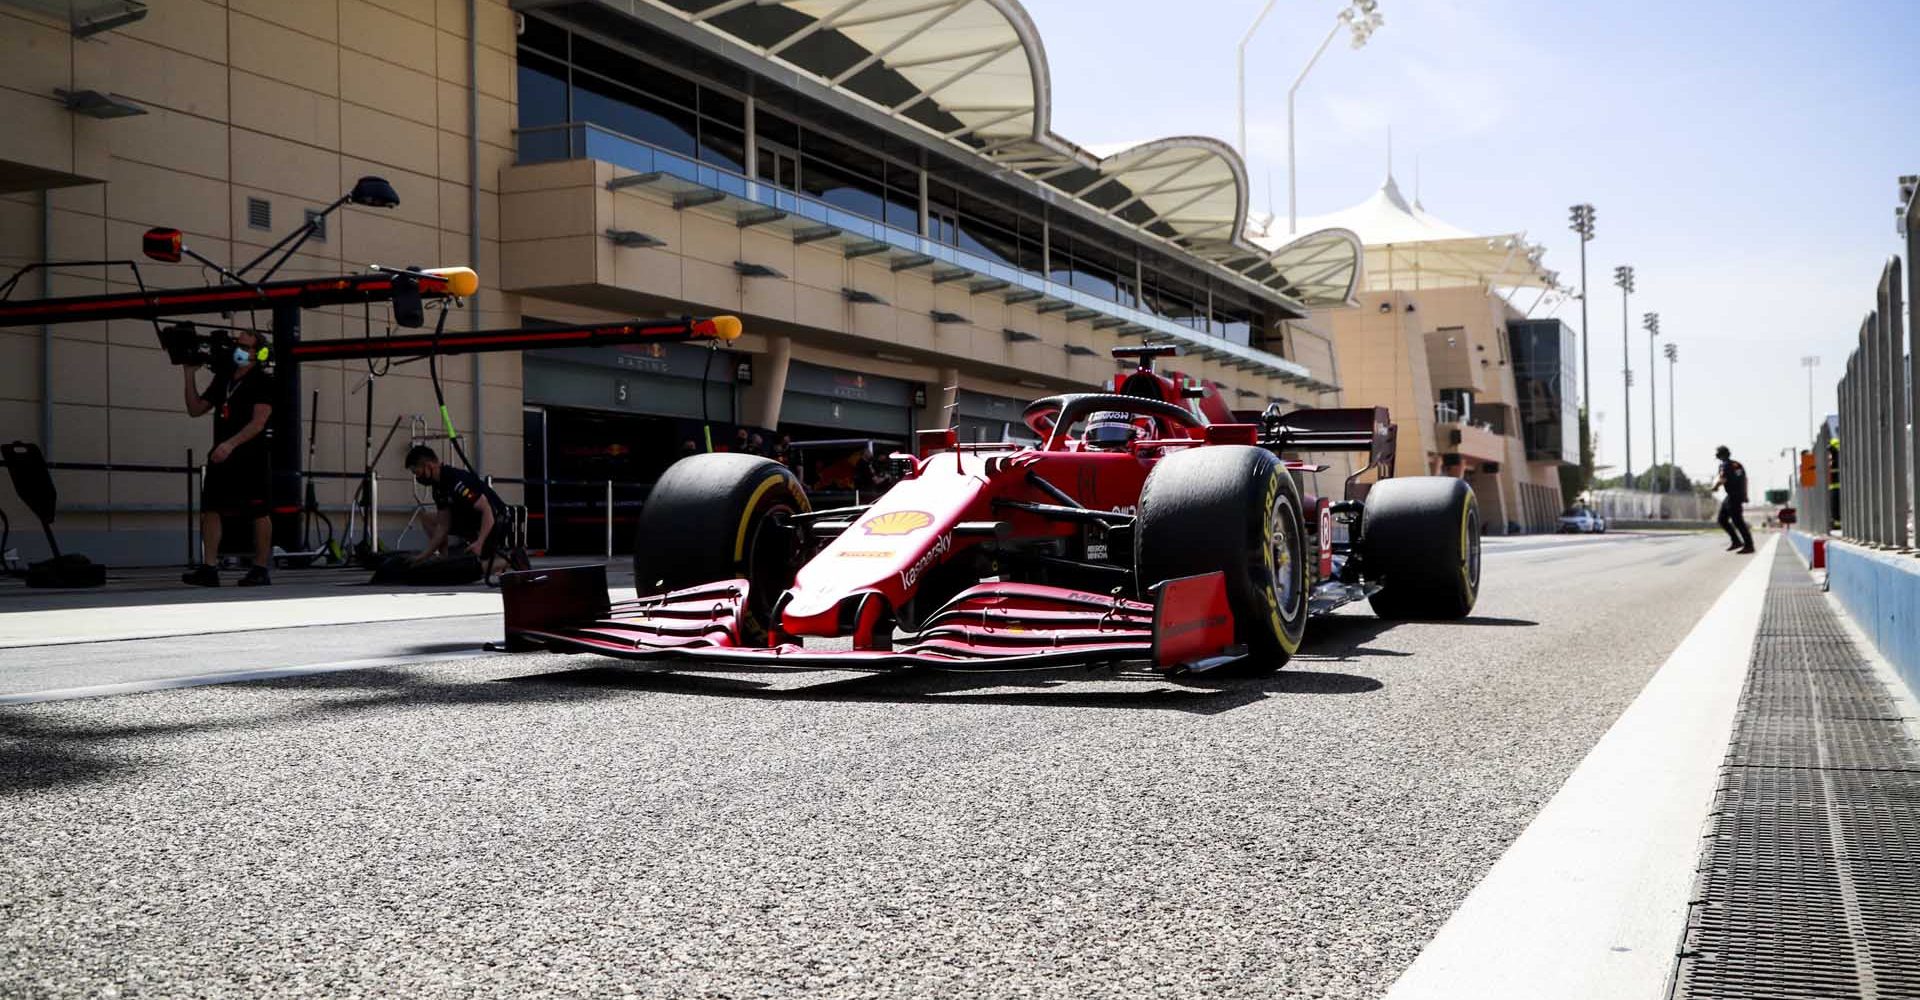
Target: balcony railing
<point>585,140</point>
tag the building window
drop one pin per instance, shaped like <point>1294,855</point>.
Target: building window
<point>567,78</point>
<point>780,167</point>
<point>543,90</point>
<point>632,113</point>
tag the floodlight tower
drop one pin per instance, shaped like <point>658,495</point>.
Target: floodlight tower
<point>1651,323</point>
<point>1810,362</point>
<point>1582,223</point>
<point>1623,276</point>
<point>1362,17</point>
<point>1240,67</point>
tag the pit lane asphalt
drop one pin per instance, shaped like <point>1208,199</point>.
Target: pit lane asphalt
<point>561,826</point>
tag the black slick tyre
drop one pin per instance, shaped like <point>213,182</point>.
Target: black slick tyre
<point>1234,509</point>
<point>712,517</point>
<point>1420,542</point>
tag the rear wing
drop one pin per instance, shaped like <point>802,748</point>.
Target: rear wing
<point>1357,428</point>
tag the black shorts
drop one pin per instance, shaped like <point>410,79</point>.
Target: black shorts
<point>238,487</point>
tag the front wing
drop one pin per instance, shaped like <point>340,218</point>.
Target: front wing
<point>991,626</point>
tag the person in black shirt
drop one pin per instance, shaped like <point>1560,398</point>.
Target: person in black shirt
<point>469,513</point>
<point>1733,476</point>
<point>239,476</point>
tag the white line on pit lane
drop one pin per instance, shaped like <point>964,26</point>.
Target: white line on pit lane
<point>233,677</point>
<point>1591,900</point>
<point>1490,547</point>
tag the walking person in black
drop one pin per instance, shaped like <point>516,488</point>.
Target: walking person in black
<point>239,477</point>
<point>1733,476</point>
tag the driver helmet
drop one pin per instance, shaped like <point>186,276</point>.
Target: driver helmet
<point>1110,430</point>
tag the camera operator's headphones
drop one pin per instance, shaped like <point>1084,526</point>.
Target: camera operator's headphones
<point>260,352</point>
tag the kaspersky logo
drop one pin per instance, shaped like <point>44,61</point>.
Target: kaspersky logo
<point>897,522</point>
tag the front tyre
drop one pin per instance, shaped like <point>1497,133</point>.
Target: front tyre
<point>715,517</point>
<point>1421,543</point>
<point>1234,509</point>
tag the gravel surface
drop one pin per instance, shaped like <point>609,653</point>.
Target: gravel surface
<point>548,825</point>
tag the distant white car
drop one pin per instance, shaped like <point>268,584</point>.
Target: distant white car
<point>1581,521</point>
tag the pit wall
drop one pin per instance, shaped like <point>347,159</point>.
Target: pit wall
<point>1881,590</point>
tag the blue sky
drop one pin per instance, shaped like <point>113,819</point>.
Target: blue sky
<point>1741,156</point>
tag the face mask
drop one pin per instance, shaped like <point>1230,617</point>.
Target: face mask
<point>242,356</point>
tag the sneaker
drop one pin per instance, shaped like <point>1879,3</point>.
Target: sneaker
<point>201,575</point>
<point>1747,551</point>
<point>1735,547</point>
<point>256,577</point>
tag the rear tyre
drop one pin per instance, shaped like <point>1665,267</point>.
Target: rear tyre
<point>1421,543</point>
<point>713,517</point>
<point>1234,509</point>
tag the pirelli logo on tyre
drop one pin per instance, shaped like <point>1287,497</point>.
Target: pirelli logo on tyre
<point>897,522</point>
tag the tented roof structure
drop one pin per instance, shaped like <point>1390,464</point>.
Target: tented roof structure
<point>972,74</point>
<point>1409,249</point>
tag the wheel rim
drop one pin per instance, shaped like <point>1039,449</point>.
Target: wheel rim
<point>769,563</point>
<point>1280,556</point>
<point>1470,548</point>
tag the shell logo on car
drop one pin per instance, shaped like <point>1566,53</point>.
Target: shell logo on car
<point>897,522</point>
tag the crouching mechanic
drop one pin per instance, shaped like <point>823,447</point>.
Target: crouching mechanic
<point>239,478</point>
<point>469,514</point>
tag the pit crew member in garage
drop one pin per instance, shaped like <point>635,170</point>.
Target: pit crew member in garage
<point>468,513</point>
<point>239,478</point>
<point>1733,477</point>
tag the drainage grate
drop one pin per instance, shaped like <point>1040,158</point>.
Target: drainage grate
<point>1806,884</point>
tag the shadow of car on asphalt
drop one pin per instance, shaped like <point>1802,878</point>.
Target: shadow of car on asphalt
<point>1335,639</point>
<point>1202,694</point>
<point>43,747</point>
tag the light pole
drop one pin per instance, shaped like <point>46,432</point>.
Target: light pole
<point>1651,323</point>
<point>1623,276</point>
<point>1362,19</point>
<point>1672,351</point>
<point>1241,65</point>
<point>1810,362</point>
<point>1582,223</point>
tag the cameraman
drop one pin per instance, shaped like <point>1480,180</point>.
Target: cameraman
<point>239,477</point>
<point>468,512</point>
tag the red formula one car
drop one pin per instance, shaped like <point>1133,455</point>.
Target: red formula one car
<point>1151,524</point>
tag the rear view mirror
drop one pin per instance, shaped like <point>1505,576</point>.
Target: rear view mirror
<point>162,245</point>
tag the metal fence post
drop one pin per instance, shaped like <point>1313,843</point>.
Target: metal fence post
<point>609,522</point>
<point>1894,348</point>
<point>1883,483</point>
<point>1849,462</point>
<point>1877,407</point>
<point>373,513</point>
<point>1869,438</point>
<point>1913,358</point>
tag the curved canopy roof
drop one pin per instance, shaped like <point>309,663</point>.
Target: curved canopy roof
<point>973,74</point>
<point>1322,268</point>
<point>1408,249</point>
